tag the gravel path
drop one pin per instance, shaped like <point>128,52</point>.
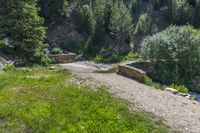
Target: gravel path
<point>179,112</point>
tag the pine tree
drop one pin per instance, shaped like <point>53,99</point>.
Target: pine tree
<point>197,14</point>
<point>21,24</point>
<point>99,11</point>
<point>121,26</point>
<point>52,9</point>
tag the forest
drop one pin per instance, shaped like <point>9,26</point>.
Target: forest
<point>163,31</point>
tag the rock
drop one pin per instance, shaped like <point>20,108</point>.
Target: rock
<point>188,97</point>
<point>171,90</point>
<point>80,58</point>
<point>52,67</point>
<point>184,94</point>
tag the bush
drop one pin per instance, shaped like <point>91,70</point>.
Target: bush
<point>130,56</point>
<point>179,88</point>
<point>142,25</point>
<point>46,61</point>
<point>146,80</point>
<point>98,58</point>
<point>159,86</point>
<point>9,68</point>
<point>176,53</point>
<point>56,51</point>
<point>179,11</point>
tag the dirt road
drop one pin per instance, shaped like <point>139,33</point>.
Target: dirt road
<point>179,112</point>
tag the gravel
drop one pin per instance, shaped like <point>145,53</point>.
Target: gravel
<point>179,112</point>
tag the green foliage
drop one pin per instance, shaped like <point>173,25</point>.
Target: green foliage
<point>159,86</point>
<point>180,88</point>
<point>176,53</point>
<point>56,51</point>
<point>21,24</point>
<point>43,100</point>
<point>179,11</point>
<point>121,26</point>
<point>99,17</point>
<point>86,19</point>
<point>130,57</point>
<point>3,43</point>
<point>46,61</point>
<point>115,58</point>
<point>146,80</point>
<point>98,58</point>
<point>197,14</point>
<point>142,24</point>
<point>53,10</point>
<point>9,68</point>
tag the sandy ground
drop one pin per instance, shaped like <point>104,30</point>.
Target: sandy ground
<point>179,112</point>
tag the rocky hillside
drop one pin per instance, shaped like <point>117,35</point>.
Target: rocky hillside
<point>66,35</point>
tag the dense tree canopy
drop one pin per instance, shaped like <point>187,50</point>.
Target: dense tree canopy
<point>21,26</point>
<point>176,53</point>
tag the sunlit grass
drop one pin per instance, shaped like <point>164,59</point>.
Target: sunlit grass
<point>39,100</point>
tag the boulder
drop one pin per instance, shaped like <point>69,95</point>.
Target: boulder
<point>171,90</point>
<point>184,94</point>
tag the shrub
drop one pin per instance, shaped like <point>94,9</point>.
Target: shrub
<point>176,53</point>
<point>46,61</point>
<point>129,56</point>
<point>146,80</point>
<point>179,88</point>
<point>56,51</point>
<point>98,58</point>
<point>179,11</point>
<point>159,86</point>
<point>9,68</point>
<point>142,24</point>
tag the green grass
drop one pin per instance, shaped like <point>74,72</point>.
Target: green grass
<point>40,100</point>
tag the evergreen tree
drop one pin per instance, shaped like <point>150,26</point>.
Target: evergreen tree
<point>179,11</point>
<point>52,9</point>
<point>99,11</point>
<point>197,14</point>
<point>20,23</point>
<point>121,26</point>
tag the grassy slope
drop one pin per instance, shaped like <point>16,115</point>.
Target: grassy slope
<point>39,100</point>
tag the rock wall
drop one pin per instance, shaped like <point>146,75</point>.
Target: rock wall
<point>137,70</point>
<point>148,67</point>
<point>64,58</point>
<point>131,72</point>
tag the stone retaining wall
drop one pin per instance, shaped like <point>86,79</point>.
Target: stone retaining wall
<point>64,58</point>
<point>131,72</point>
<point>136,70</point>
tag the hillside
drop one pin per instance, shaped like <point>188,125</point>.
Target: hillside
<point>90,28</point>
